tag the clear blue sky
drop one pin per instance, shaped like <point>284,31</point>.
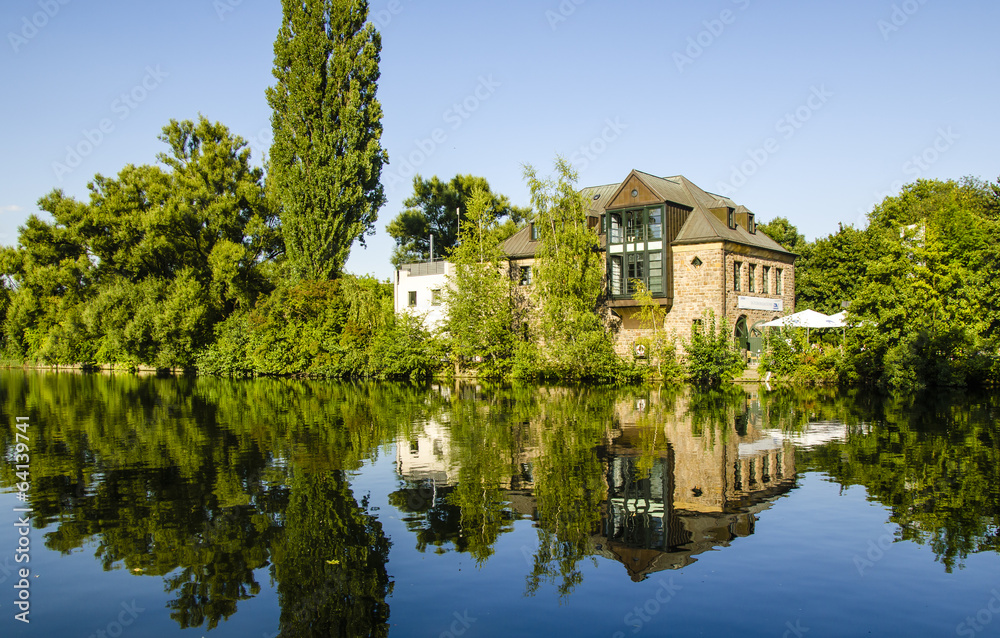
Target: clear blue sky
<point>812,111</point>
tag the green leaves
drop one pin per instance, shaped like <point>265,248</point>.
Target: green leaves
<point>433,209</point>
<point>326,158</point>
<point>141,273</point>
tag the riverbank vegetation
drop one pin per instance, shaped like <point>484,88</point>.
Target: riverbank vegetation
<point>920,286</point>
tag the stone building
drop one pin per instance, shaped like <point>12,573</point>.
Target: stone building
<point>693,250</point>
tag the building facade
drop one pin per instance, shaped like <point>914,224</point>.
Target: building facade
<point>693,250</point>
<point>419,290</point>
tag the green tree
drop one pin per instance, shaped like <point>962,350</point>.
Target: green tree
<point>433,208</point>
<point>920,311</point>
<point>326,158</point>
<point>568,283</point>
<point>712,358</point>
<point>830,270</point>
<point>482,317</point>
<point>785,233</point>
<point>141,272</point>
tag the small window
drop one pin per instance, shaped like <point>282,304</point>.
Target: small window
<point>534,232</point>
<point>436,297</point>
<point>525,279</point>
<point>751,278</point>
<point>413,298</point>
<point>765,284</point>
<point>737,274</point>
<point>778,281</point>
<point>604,224</point>
<point>751,226</point>
<point>696,262</point>
<point>732,219</point>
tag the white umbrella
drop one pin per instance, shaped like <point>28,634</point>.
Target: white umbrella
<point>806,319</point>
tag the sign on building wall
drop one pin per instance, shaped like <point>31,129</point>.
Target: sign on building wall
<point>760,303</point>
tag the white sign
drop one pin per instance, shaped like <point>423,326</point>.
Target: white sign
<point>760,303</point>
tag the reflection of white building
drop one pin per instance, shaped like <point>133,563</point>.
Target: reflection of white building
<point>813,434</point>
<point>426,456</point>
<point>419,290</point>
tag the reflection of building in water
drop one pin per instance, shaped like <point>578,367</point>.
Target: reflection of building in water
<point>426,457</point>
<point>671,494</point>
<point>813,434</point>
<point>699,493</point>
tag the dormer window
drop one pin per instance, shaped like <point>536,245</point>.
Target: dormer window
<point>732,219</point>
<point>534,232</point>
<point>751,226</point>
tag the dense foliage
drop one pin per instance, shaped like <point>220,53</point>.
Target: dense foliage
<point>572,340</point>
<point>485,310</point>
<point>142,272</point>
<point>326,158</point>
<point>924,301</point>
<point>433,209</point>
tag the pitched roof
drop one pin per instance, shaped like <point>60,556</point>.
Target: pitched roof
<point>520,245</point>
<point>702,226</point>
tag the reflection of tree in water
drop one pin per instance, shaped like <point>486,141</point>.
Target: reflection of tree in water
<point>330,562</point>
<point>188,480</point>
<point>569,486</point>
<point>935,461</point>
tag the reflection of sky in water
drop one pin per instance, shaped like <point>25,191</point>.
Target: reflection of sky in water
<point>716,524</point>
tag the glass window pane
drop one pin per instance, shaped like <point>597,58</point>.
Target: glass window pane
<point>616,275</point>
<point>656,223</point>
<point>616,228</point>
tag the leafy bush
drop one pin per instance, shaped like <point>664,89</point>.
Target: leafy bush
<point>712,357</point>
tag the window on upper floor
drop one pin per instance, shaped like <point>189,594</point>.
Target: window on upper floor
<point>525,279</point>
<point>534,231</point>
<point>436,297</point>
<point>615,227</point>
<point>765,283</point>
<point>737,274</point>
<point>751,277</point>
<point>778,281</point>
<point>412,298</point>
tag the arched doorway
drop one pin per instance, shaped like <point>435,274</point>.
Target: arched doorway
<point>742,334</point>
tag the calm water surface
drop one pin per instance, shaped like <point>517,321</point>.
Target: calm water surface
<point>265,508</point>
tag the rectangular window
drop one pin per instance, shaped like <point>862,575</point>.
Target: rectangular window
<point>765,284</point>
<point>436,297</point>
<point>656,223</point>
<point>604,224</point>
<point>616,275</point>
<point>636,272</point>
<point>778,281</point>
<point>413,298</point>
<point>656,272</point>
<point>751,226</point>
<point>525,276</point>
<point>737,274</point>
<point>732,219</point>
<point>752,278</point>
<point>534,232</point>
<point>616,227</point>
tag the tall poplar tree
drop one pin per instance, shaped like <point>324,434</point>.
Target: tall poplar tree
<point>327,156</point>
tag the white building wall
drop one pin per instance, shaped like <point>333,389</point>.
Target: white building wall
<point>422,280</point>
